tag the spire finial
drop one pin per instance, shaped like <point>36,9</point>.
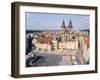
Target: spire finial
<point>70,24</point>
<point>63,24</point>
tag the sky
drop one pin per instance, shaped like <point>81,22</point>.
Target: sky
<point>53,21</point>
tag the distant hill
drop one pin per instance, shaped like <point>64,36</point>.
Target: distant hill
<point>87,30</point>
<point>32,31</point>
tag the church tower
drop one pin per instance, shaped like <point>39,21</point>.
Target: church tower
<point>63,36</point>
<point>70,26</point>
<point>63,26</point>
